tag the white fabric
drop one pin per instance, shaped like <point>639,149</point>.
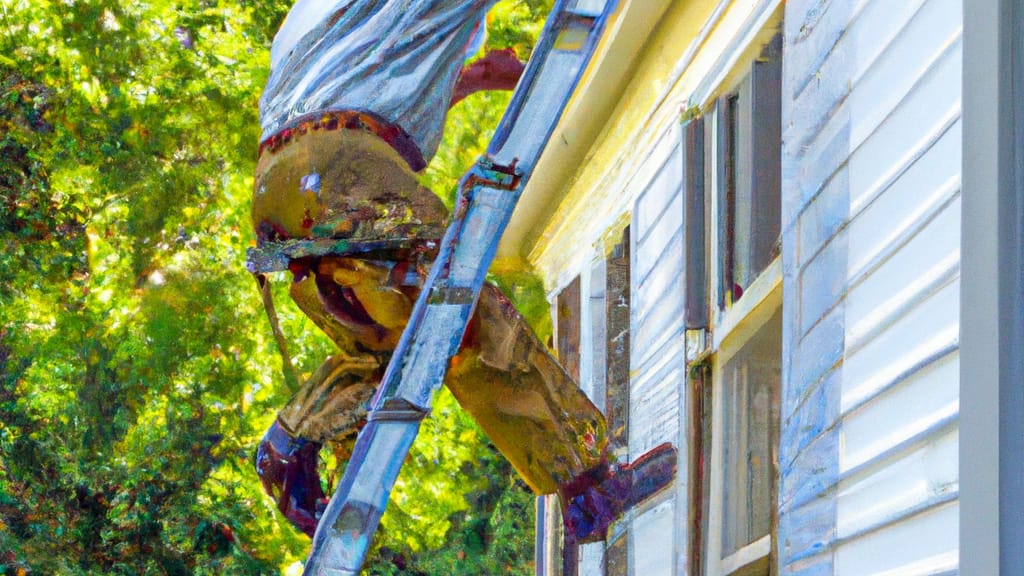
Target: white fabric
<point>395,58</point>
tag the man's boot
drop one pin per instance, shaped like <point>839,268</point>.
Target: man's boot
<point>598,497</point>
<point>288,470</point>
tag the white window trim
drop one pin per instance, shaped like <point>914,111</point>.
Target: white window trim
<point>745,318</point>
<point>730,320</point>
<point>730,329</point>
<point>747,555</point>
<point>991,419</point>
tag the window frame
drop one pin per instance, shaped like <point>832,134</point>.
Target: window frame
<point>757,316</point>
<point>582,323</point>
<point>734,321</point>
<point>743,144</point>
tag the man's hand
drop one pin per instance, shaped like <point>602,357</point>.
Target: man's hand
<point>497,70</point>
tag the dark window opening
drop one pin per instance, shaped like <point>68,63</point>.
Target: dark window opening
<point>749,176</point>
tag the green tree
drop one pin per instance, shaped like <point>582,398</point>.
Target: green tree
<point>137,371</point>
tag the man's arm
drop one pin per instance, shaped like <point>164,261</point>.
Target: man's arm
<point>497,70</point>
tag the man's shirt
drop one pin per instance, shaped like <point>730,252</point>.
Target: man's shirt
<point>399,59</point>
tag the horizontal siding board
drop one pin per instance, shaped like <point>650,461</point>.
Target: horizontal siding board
<point>817,415</point>
<point>666,272</point>
<point>663,243</point>
<point>912,200</point>
<point>881,150</point>
<point>916,404</point>
<point>926,473</point>
<point>880,229</point>
<point>908,56</point>
<point>881,39</point>
<point>823,282</point>
<point>909,130</point>
<point>661,322</point>
<point>810,533</point>
<point>654,413</point>
<point>665,181</point>
<point>658,326</point>
<point>821,29</point>
<point>652,540</point>
<point>923,544</point>
<point>812,474</point>
<point>666,355</point>
<point>815,165</point>
<point>871,33</point>
<point>929,327</point>
<point>813,356</point>
<point>823,217</point>
<point>923,264</point>
<point>820,565</point>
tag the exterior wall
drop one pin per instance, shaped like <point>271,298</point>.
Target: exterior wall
<point>685,49</point>
<point>657,357</point>
<point>870,267</point>
<point>633,174</point>
<point>871,254</point>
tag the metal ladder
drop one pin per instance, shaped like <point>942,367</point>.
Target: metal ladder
<point>488,195</point>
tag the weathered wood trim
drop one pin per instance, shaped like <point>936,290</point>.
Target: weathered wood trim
<point>617,309</point>
<point>694,227</point>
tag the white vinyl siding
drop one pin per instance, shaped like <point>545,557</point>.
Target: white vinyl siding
<point>871,197</point>
<point>657,360</point>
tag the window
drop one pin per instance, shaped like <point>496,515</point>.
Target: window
<point>740,488</point>
<point>749,176</point>
<point>732,165</point>
<point>751,380</point>
<point>592,322</point>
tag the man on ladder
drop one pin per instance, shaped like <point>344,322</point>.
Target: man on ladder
<point>353,108</point>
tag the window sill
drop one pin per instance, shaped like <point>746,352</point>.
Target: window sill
<point>762,291</point>
<point>743,561</point>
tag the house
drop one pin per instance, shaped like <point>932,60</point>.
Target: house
<point>786,237</point>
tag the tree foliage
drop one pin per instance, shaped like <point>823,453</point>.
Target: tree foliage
<point>137,371</point>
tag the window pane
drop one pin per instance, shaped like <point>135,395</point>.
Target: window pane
<point>751,382</point>
<point>748,152</point>
<point>725,143</point>
<point>742,163</point>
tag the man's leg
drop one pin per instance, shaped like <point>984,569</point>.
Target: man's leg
<point>329,407</point>
<point>538,417</point>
